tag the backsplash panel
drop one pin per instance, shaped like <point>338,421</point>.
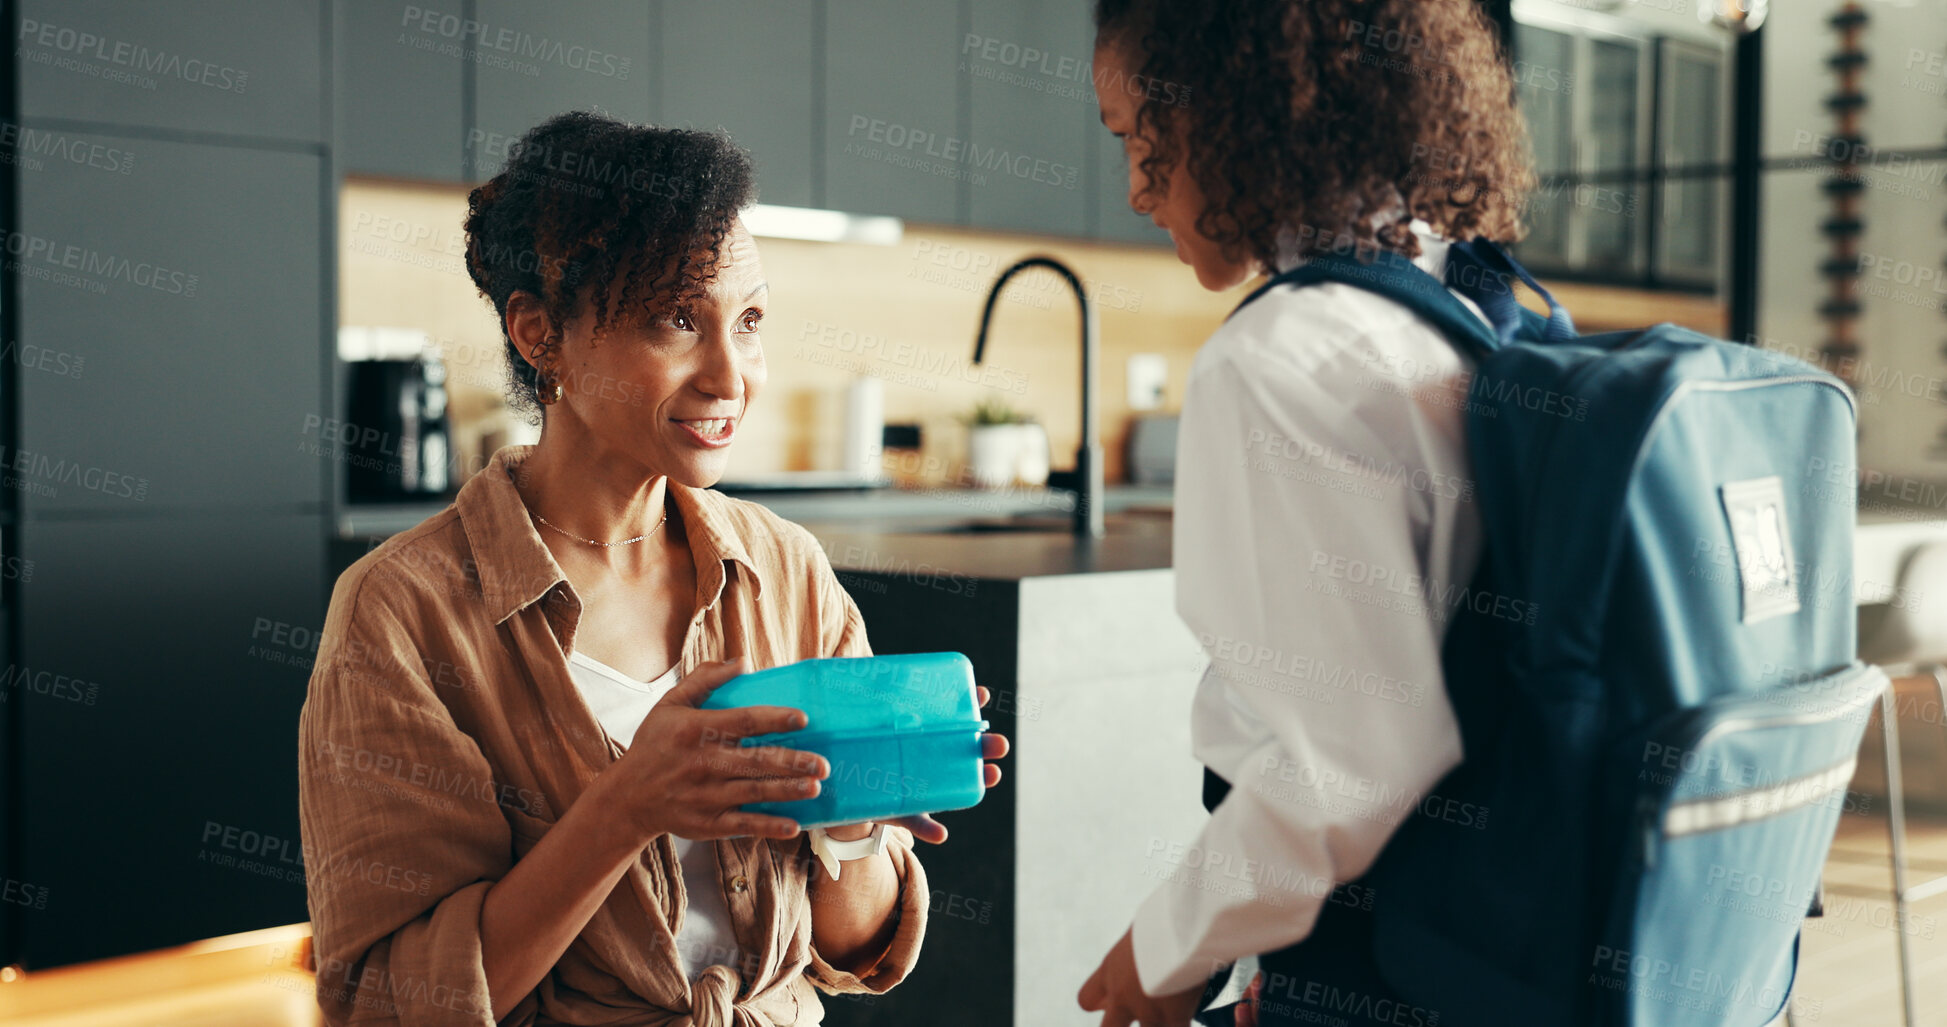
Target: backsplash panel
<point>906,314</point>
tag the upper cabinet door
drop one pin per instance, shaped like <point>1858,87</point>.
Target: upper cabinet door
<point>183,350</point>
<point>1586,92</point>
<point>745,66</point>
<point>531,61</point>
<point>1034,114</point>
<point>1544,71</point>
<point>1615,143</point>
<point>400,89</point>
<point>895,139</point>
<point>1695,129</point>
<point>1693,136</point>
<point>238,67</point>
<point>1617,96</point>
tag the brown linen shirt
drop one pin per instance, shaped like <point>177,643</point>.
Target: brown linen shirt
<point>442,736</point>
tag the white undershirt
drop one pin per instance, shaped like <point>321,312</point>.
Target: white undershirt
<point>620,702</point>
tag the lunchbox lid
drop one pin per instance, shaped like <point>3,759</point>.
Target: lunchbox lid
<point>863,694</point>
<point>814,739</point>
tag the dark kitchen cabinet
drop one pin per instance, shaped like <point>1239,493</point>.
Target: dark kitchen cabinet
<point>532,61</point>
<point>895,139</point>
<point>235,67</point>
<point>1033,114</point>
<point>187,294</point>
<point>1113,219</point>
<point>400,90</point>
<point>163,556</point>
<point>767,105</point>
<point>974,872</point>
<point>164,665</point>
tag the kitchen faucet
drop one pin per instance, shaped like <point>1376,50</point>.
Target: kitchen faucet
<point>1088,458</point>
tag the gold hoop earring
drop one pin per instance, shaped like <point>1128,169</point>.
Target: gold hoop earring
<point>548,388</point>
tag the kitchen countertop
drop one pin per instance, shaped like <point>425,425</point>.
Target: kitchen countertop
<point>887,508</point>
<point>1887,532</point>
<point>896,531</point>
<point>949,502</point>
<point>1135,542</point>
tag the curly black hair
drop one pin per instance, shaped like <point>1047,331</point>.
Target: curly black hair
<point>1314,116</point>
<point>585,199</point>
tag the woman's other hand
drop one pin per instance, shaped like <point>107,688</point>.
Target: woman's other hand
<point>992,747</point>
<point>686,771</point>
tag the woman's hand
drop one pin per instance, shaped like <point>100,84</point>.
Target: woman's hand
<point>686,772</point>
<point>992,747</point>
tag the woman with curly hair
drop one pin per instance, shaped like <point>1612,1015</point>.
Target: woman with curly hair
<point>1321,451</point>
<point>513,809</point>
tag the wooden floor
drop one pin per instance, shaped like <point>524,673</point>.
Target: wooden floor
<point>1849,960</point>
<point>1847,975</point>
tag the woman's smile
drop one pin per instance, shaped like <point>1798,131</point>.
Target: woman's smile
<point>709,432</point>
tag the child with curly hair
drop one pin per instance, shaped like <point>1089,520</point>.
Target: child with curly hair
<point>1321,450</point>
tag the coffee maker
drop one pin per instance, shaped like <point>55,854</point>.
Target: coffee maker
<point>395,440</point>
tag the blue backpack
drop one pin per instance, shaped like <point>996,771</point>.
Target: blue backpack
<point>1659,744</point>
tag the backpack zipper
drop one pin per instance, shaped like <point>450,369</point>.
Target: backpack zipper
<point>1649,809</point>
<point>1719,385</point>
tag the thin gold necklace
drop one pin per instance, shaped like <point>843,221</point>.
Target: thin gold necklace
<point>593,542</point>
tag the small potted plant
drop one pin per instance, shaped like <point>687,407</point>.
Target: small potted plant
<point>996,437</point>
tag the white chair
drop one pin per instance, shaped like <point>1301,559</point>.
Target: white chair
<point>1901,637</point>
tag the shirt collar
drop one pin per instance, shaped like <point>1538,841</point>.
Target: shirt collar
<point>515,568</point>
<point>1433,248</point>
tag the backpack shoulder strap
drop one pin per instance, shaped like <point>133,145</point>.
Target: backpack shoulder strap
<point>1481,270</point>
<point>1400,280</point>
<point>1484,271</point>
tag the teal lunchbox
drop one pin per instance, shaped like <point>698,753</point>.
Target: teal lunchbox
<point>902,733</point>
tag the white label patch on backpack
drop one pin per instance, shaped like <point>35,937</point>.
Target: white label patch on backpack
<point>1761,538</point>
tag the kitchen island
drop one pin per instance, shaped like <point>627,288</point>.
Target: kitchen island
<point>1092,675</point>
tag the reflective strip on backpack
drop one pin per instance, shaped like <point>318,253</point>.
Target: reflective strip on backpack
<point>1744,807</point>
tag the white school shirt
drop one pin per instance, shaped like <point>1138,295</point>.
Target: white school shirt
<point>1324,524</point>
<point>620,702</point>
